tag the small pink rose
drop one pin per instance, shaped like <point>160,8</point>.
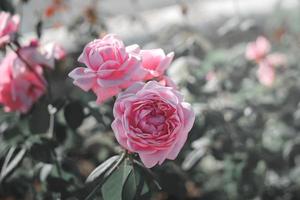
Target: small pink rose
<point>19,87</point>
<point>111,67</point>
<point>34,55</point>
<point>8,26</point>
<point>266,73</point>
<point>153,121</point>
<point>155,62</point>
<point>53,50</point>
<point>258,50</point>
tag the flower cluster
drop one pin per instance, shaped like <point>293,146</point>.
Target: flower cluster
<point>259,52</point>
<point>22,82</point>
<point>151,118</point>
<point>111,66</point>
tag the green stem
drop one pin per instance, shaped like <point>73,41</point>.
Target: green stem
<point>57,164</point>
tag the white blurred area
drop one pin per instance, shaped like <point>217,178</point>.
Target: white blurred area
<point>151,16</point>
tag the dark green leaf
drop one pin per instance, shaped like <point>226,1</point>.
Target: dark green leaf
<point>39,119</point>
<point>112,188</point>
<point>6,5</point>
<point>133,185</point>
<point>42,152</point>
<point>12,135</point>
<point>74,114</point>
<point>55,184</point>
<point>102,168</point>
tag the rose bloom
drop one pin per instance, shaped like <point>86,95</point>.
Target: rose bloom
<point>111,67</point>
<point>153,121</point>
<point>266,73</point>
<point>39,54</point>
<point>8,26</point>
<point>155,62</point>
<point>19,87</point>
<point>258,49</point>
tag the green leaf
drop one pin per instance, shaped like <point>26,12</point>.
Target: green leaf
<point>13,135</point>
<point>74,114</point>
<point>39,119</point>
<point>145,189</point>
<point>134,185</point>
<point>11,162</point>
<point>113,187</point>
<point>102,168</point>
<point>43,151</point>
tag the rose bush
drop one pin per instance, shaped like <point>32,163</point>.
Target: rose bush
<point>153,121</point>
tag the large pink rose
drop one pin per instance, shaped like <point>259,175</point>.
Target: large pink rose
<point>258,49</point>
<point>153,121</point>
<point>8,26</point>
<point>111,67</point>
<point>19,86</point>
<point>155,62</point>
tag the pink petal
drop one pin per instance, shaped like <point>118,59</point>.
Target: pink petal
<point>188,121</point>
<point>104,94</point>
<point>266,73</point>
<point>83,78</point>
<point>149,160</point>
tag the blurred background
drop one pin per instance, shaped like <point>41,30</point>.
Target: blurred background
<point>245,143</point>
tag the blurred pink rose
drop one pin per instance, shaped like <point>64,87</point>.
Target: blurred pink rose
<point>53,50</point>
<point>266,73</point>
<point>155,62</point>
<point>19,87</point>
<point>153,121</point>
<point>33,55</point>
<point>8,26</point>
<point>258,50</point>
<point>111,67</point>
<point>45,55</point>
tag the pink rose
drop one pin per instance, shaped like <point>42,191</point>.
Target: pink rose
<point>266,73</point>
<point>8,26</point>
<point>258,50</point>
<point>53,51</point>
<point>19,87</point>
<point>153,121</point>
<point>155,62</point>
<point>111,67</point>
<point>33,55</point>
